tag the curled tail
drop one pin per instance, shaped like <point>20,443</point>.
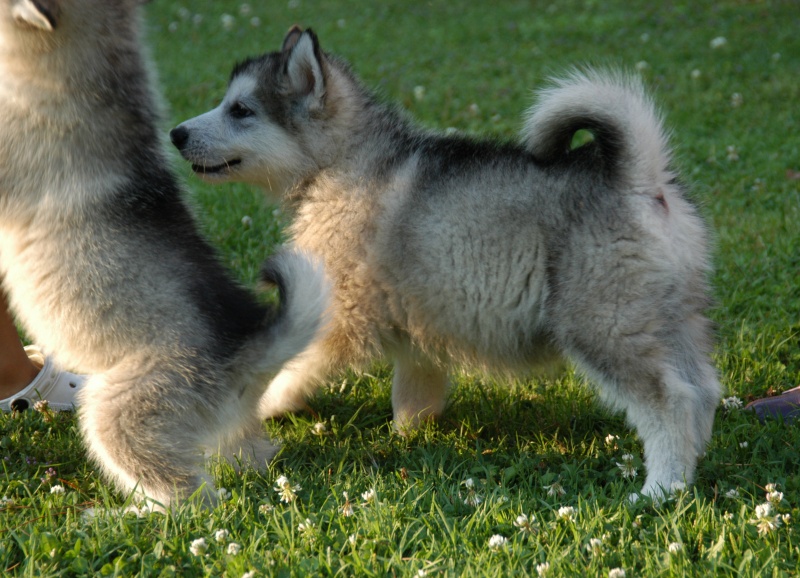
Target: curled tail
<point>629,138</point>
<point>304,293</point>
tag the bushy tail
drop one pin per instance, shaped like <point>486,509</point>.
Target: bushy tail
<point>304,296</point>
<point>614,107</point>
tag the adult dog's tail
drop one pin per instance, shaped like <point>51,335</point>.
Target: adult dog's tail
<point>630,145</point>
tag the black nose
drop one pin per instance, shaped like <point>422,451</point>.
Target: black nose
<point>179,136</point>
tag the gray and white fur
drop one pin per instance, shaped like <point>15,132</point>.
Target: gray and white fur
<point>104,266</point>
<point>446,250</point>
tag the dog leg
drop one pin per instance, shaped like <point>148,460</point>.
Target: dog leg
<point>670,400</point>
<point>295,383</point>
<point>253,450</point>
<point>141,437</point>
<point>419,389</point>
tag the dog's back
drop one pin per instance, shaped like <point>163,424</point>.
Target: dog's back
<point>103,261</point>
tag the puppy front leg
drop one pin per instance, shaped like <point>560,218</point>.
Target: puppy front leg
<point>419,389</point>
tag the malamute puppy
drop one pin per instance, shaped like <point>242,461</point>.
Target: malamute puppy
<point>444,249</point>
<point>104,265</point>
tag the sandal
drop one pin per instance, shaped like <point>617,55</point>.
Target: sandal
<point>786,405</point>
<point>56,387</point>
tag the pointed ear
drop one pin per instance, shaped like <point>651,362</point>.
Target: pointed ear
<point>294,34</point>
<point>42,14</point>
<point>304,69</point>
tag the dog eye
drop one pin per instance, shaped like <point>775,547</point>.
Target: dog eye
<point>238,110</point>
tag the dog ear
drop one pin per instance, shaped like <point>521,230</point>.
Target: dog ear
<point>42,14</point>
<point>294,34</point>
<point>304,69</point>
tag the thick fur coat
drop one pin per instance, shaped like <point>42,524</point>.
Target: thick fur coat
<point>104,266</point>
<point>447,250</point>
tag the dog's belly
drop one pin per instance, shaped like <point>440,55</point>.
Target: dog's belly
<point>475,297</point>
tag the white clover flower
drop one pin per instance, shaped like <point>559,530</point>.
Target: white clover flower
<point>244,9</point>
<point>611,440</point>
<point>786,518</point>
<point>642,65</point>
<point>347,508</point>
<point>57,489</point>
<point>250,574</point>
<point>727,516</point>
<point>421,572</point>
<point>627,467</point>
<point>616,573</point>
<point>718,42</point>
<point>771,488</point>
<point>525,523</point>
<point>733,153</point>
<point>472,499</point>
<point>369,496</point>
<point>743,444</point>
<point>265,508</point>
<point>696,74</point>
<point>566,513</point>
<point>764,520</point>
<point>675,547</point>
<point>733,494</point>
<point>319,428</point>
<point>352,538</point>
<point>763,510</point>
<point>255,22</point>
<point>542,569</point>
<point>198,547</point>
<point>306,526</point>
<point>774,497</point>
<point>555,490</point>
<point>730,403</point>
<point>228,21</point>
<point>184,13</point>
<point>221,536</point>
<point>341,23</point>
<point>286,490</point>
<point>41,406</point>
<point>247,221</point>
<point>197,19</point>
<point>736,100</point>
<point>645,37</point>
<point>5,501</point>
<point>419,93</point>
<point>234,548</point>
<point>497,541</point>
<point>223,494</point>
<point>595,547</point>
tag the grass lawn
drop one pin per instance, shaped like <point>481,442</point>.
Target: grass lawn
<point>450,499</point>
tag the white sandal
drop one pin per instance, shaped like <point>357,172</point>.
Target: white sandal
<point>56,387</point>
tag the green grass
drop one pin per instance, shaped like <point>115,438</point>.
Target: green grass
<point>512,442</point>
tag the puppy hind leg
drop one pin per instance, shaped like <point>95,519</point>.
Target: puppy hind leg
<point>693,363</point>
<point>669,418</point>
<point>144,446</point>
<point>419,389</point>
